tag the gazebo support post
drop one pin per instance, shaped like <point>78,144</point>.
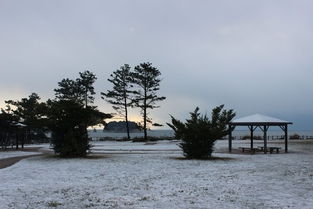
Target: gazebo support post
<point>230,138</point>
<point>251,137</point>
<point>286,138</point>
<point>265,138</point>
<point>285,129</point>
<point>264,129</point>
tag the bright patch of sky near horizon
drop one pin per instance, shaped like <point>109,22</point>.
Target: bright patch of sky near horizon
<point>254,56</point>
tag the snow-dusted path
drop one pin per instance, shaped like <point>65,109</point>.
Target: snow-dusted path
<point>8,158</point>
<point>6,162</point>
<point>162,181</point>
<point>10,154</point>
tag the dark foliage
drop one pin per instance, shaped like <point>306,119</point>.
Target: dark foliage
<point>27,119</point>
<point>295,136</point>
<point>68,121</point>
<point>31,112</point>
<point>70,114</point>
<point>80,90</point>
<point>157,125</point>
<point>85,83</point>
<point>8,128</point>
<point>199,134</point>
<point>7,119</point>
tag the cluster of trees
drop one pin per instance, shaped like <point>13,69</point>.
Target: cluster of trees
<point>20,121</point>
<point>72,111</point>
<point>9,130</point>
<point>135,88</point>
<point>67,116</point>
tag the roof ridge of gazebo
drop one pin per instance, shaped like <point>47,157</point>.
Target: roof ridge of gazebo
<point>259,118</point>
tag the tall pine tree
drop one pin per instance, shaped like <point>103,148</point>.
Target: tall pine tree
<point>147,78</point>
<point>120,95</point>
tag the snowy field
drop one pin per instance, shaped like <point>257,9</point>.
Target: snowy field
<point>138,175</point>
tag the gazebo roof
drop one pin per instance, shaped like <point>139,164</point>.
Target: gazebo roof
<point>17,124</point>
<point>258,119</point>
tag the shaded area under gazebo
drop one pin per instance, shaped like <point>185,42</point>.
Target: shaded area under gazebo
<point>258,121</point>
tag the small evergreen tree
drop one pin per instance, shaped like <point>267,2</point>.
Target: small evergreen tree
<point>68,121</point>
<point>147,78</point>
<point>120,95</point>
<point>70,114</point>
<point>199,134</point>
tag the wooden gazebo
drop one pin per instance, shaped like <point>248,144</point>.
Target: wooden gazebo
<point>258,121</point>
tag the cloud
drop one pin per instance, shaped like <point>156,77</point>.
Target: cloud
<point>254,56</point>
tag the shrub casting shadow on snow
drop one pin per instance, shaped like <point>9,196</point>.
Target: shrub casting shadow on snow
<point>204,159</point>
<point>90,157</point>
<point>152,138</point>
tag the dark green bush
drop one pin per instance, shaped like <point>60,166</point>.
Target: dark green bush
<point>199,134</point>
<point>68,121</point>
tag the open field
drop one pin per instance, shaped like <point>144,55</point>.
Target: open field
<point>138,175</point>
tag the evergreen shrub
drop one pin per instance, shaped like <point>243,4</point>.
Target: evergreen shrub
<point>199,134</point>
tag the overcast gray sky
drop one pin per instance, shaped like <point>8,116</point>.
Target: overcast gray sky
<point>253,56</point>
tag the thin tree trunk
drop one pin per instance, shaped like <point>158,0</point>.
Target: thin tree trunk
<point>86,99</point>
<point>1,140</point>
<point>22,140</point>
<point>145,123</point>
<point>145,115</point>
<point>29,136</point>
<point>7,141</point>
<point>16,142</point>
<point>126,117</point>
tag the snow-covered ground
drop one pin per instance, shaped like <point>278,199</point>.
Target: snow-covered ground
<point>139,177</point>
